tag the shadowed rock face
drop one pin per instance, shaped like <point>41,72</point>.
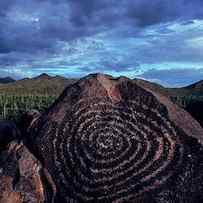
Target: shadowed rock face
<point>27,120</point>
<point>109,140</point>
<point>8,133</point>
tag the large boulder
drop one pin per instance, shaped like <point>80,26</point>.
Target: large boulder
<point>110,140</point>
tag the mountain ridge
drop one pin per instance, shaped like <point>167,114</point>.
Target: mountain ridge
<point>42,84</point>
<point>46,84</point>
<point>6,80</point>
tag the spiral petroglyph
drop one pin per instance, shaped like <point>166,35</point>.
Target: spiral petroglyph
<point>117,151</point>
<point>109,145</point>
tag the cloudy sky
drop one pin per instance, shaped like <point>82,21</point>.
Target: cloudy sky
<point>159,40</point>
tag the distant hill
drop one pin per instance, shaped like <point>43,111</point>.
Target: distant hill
<point>54,85</point>
<point>40,85</point>
<point>196,88</point>
<point>6,80</point>
<point>196,85</point>
<point>192,90</point>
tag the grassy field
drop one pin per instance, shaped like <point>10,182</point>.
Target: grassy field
<point>30,93</point>
<point>13,106</point>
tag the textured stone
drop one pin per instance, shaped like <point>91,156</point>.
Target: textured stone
<point>20,179</point>
<point>110,140</point>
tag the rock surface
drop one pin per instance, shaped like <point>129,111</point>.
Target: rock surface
<point>20,179</point>
<point>110,140</point>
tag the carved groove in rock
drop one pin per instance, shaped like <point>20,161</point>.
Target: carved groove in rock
<point>114,152</point>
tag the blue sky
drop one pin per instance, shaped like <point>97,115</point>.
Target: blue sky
<point>158,40</point>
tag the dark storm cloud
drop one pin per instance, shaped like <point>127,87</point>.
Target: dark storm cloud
<point>140,12</point>
<point>38,25</point>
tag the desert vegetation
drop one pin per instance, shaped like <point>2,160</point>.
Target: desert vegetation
<point>185,101</point>
<point>13,106</point>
